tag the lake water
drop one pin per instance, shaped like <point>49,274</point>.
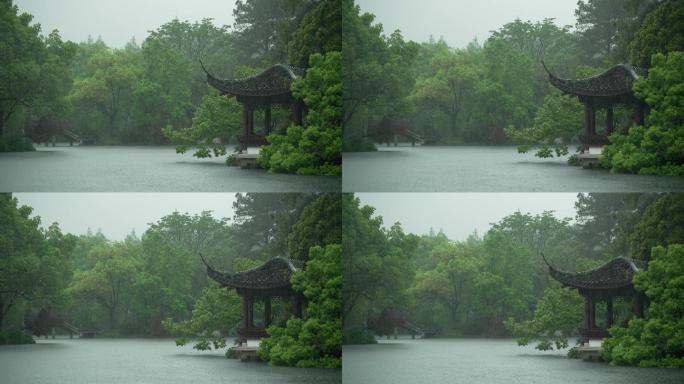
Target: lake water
<point>407,361</point>
<point>483,169</point>
<point>139,361</point>
<point>140,169</point>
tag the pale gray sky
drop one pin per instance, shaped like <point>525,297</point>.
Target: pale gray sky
<point>116,214</point>
<point>117,21</point>
<point>459,21</point>
<point>459,214</point>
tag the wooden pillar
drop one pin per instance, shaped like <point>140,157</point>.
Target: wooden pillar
<point>587,118</point>
<point>251,313</point>
<point>245,311</point>
<point>640,113</point>
<point>267,119</point>
<point>297,306</point>
<point>609,312</point>
<point>609,120</point>
<point>297,113</point>
<point>587,311</point>
<point>245,118</point>
<point>267,312</point>
<point>592,313</point>
<point>638,307</point>
<point>251,120</point>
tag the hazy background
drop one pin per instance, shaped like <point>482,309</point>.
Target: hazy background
<point>117,214</point>
<point>458,214</point>
<point>460,21</point>
<point>119,21</point>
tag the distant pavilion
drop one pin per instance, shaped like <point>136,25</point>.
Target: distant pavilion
<point>603,284</point>
<point>269,88</point>
<point>263,283</point>
<point>605,91</point>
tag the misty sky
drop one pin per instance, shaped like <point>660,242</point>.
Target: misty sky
<point>458,214</point>
<point>116,214</point>
<point>118,21</point>
<point>459,21</point>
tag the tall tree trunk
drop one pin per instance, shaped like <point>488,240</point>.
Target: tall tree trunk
<point>112,317</point>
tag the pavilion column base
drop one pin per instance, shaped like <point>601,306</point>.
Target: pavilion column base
<point>593,333</point>
<point>252,333</point>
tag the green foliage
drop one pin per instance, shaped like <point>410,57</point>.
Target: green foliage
<point>660,32</point>
<point>111,278</point>
<point>215,314</point>
<point>315,341</point>
<point>558,121</point>
<point>216,122</point>
<point>375,265</point>
<point>658,340</point>
<point>36,73</point>
<point>455,77</point>
<point>314,149</point>
<point>33,261</point>
<point>15,337</point>
<point>319,224</point>
<point>15,143</point>
<point>658,147</point>
<point>320,31</point>
<point>661,224</point>
<point>556,317</point>
<point>377,73</point>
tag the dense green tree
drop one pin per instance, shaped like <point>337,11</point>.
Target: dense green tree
<point>110,88</point>
<point>109,282</point>
<point>315,148</point>
<point>558,121</point>
<point>656,148</point>
<point>606,223</point>
<point>34,263</point>
<point>662,224</point>
<point>656,341</point>
<point>216,123</point>
<point>263,29</point>
<point>316,340</point>
<point>265,221</point>
<point>318,225</point>
<point>375,267</point>
<point>35,74</point>
<point>215,315</point>
<point>598,26</point>
<point>556,317</point>
<point>661,32</point>
<point>455,77</point>
<point>377,73</point>
<point>320,31</point>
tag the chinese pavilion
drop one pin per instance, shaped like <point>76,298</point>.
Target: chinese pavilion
<point>269,88</point>
<point>263,283</point>
<point>604,91</point>
<point>603,284</point>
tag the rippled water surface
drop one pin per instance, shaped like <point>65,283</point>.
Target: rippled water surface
<point>483,169</point>
<point>140,169</point>
<point>139,361</point>
<point>474,361</point>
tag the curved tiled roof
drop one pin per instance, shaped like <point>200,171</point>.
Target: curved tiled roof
<point>275,273</point>
<point>614,274</point>
<point>272,82</point>
<point>616,81</point>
